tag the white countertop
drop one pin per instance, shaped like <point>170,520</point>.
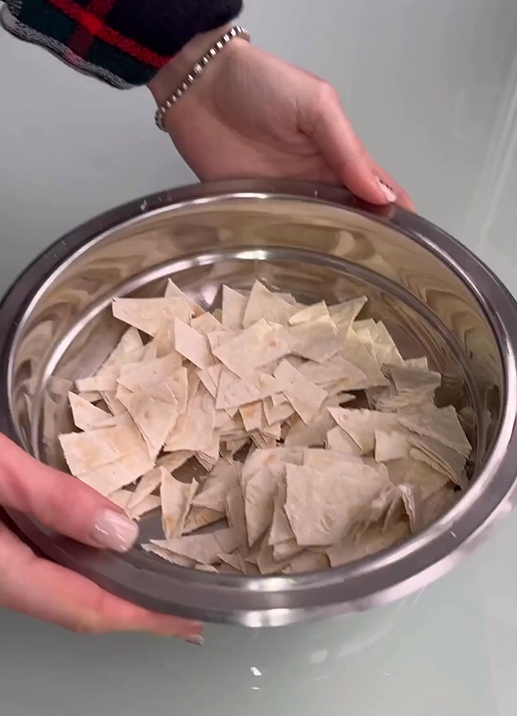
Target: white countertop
<point>432,88</point>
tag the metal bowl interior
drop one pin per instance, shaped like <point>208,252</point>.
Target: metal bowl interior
<point>434,296</point>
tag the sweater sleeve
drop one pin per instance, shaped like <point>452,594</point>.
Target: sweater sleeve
<point>121,42</point>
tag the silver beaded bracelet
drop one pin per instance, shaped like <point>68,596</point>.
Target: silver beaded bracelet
<point>196,71</point>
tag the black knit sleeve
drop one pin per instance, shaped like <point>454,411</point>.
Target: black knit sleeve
<point>122,42</point>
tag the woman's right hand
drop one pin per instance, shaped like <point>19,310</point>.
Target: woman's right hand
<point>39,588</point>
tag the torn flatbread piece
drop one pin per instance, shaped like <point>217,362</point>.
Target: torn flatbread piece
<point>305,397</point>
<point>140,377</point>
<point>195,427</point>
<point>205,548</point>
<point>176,498</point>
<point>146,486</point>
<point>441,424</point>
<point>86,451</point>
<point>371,542</point>
<point>155,418</point>
<point>318,341</point>
<point>173,291</point>
<point>234,306</point>
<point>87,416</point>
<point>309,313</point>
<point>148,314</point>
<point>322,508</point>
<point>263,303</point>
<point>256,346</point>
<point>97,383</point>
<point>164,553</point>
<point>192,344</point>
<point>107,479</point>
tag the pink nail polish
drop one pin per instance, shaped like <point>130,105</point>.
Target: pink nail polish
<point>114,530</point>
<point>388,193</point>
<point>196,639</point>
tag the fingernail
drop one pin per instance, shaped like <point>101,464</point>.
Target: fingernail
<point>388,193</point>
<point>196,639</point>
<point>114,530</point>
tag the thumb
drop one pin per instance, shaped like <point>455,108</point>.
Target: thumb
<point>334,135</point>
<point>61,502</point>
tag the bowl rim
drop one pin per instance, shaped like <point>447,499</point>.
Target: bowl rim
<point>277,600</point>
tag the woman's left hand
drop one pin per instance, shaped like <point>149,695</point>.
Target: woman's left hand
<point>251,114</point>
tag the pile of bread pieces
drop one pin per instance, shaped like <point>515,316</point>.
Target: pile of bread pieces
<point>318,443</point>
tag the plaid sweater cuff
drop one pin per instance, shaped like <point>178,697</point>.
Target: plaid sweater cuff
<point>122,42</point>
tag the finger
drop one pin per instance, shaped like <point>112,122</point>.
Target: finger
<point>403,198</point>
<point>47,591</point>
<point>334,135</point>
<point>61,501</point>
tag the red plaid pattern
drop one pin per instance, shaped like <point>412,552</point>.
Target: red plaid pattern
<point>122,42</point>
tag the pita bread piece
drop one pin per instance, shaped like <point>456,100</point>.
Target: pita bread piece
<point>438,504</point>
<point>210,377</point>
<point>139,377</point>
<point>192,344</point>
<point>86,451</point>
<point>252,416</point>
<point>281,530</point>
<point>318,341</point>
<point>154,418</point>
<point>259,496</point>
<point>195,427</point>
<point>87,416</point>
<point>441,424</point>
<point>235,561</point>
<point>305,397</point>
<point>256,346</point>
<point>340,441</point>
<point>98,383</point>
<point>354,352</point>
<point>279,413</point>
<point>344,314</point>
<point>390,445</point>
<point>384,348</point>
<point>309,314</point>
<point>214,492</point>
<point>409,380</point>
<point>371,542</point>
<point>263,303</point>
<point>335,370</point>
<point>173,291</point>
<point>419,474</point>
<point>217,338</point>
<point>163,342</point>
<point>148,504</point>
<point>107,479</point>
<point>361,425</point>
<point>418,363</point>
<point>164,553</point>
<point>235,513</point>
<point>206,548</point>
<point>121,498</point>
<point>146,486</point>
<point>439,457</point>
<point>176,499</point>
<point>130,347</point>
<point>323,507</point>
<point>314,434</point>
<point>199,517</point>
<point>234,306</point>
<point>307,562</point>
<point>148,314</point>
<point>174,460</point>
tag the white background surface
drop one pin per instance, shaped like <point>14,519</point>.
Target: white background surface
<point>431,86</point>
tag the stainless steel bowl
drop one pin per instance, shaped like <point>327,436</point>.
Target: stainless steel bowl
<point>317,243</point>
